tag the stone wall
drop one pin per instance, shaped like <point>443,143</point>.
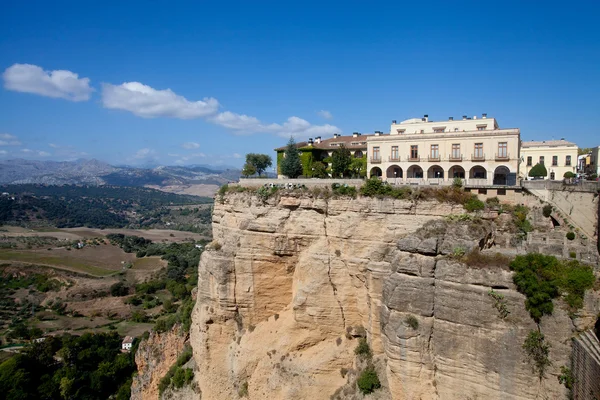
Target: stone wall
<point>586,367</point>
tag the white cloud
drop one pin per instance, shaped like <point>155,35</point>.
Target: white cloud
<point>3,152</point>
<point>54,146</point>
<point>144,153</point>
<point>8,140</point>
<point>294,126</point>
<point>58,84</point>
<point>36,153</point>
<point>237,155</point>
<point>190,145</point>
<point>325,114</point>
<point>145,101</point>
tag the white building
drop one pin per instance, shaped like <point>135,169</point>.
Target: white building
<point>127,343</point>
<point>420,151</point>
<point>558,156</point>
<point>595,161</point>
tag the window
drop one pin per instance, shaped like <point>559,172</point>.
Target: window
<point>455,129</point>
<point>422,131</point>
<point>554,161</point>
<point>542,160</point>
<point>568,161</point>
<point>478,150</point>
<point>529,161</point>
<point>414,152</point>
<point>501,192</point>
<point>481,128</point>
<point>394,152</point>
<point>482,191</point>
<point>503,149</point>
<point>435,151</point>
<point>376,153</point>
<point>456,151</point>
<point>438,130</point>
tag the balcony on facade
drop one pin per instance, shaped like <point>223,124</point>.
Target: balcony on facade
<point>394,159</point>
<point>434,159</point>
<point>375,160</point>
<point>477,157</point>
<point>413,159</point>
<point>455,158</point>
<point>502,157</point>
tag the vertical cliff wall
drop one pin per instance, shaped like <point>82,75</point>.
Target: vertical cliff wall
<point>289,282</point>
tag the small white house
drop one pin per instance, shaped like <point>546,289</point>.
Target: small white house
<point>127,343</point>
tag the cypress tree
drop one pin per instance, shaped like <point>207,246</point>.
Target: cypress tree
<point>291,165</point>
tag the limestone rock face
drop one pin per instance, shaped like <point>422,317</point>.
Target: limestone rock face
<point>154,358</point>
<point>288,281</point>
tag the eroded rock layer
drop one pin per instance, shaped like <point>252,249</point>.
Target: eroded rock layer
<point>288,282</point>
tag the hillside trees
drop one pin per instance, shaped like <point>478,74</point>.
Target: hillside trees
<point>291,166</point>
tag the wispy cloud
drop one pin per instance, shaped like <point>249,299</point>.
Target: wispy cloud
<point>62,84</point>
<point>9,140</point>
<point>325,114</point>
<point>190,145</point>
<point>144,153</point>
<point>3,152</point>
<point>145,101</point>
<point>35,153</point>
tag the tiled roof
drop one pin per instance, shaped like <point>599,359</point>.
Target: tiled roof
<point>351,142</point>
<point>547,143</point>
<point>128,339</point>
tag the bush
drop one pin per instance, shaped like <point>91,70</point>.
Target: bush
<point>474,204</point>
<point>569,175</point>
<point>566,377</point>
<point>538,170</point>
<point>412,321</point>
<point>537,351</point>
<point>368,381</point>
<point>542,278</point>
<point>547,210</point>
<point>119,289</point>
<point>457,183</point>
<point>571,236</point>
<point>243,390</point>
<point>363,349</point>
<point>492,202</point>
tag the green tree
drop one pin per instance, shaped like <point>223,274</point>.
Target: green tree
<point>341,161</point>
<point>538,170</point>
<point>291,166</point>
<point>569,175</point>
<point>358,167</point>
<point>248,170</point>
<point>319,170</point>
<point>259,161</point>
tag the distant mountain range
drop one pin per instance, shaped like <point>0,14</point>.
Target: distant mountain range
<point>94,172</point>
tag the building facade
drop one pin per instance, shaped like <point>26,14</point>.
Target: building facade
<point>420,151</point>
<point>594,165</point>
<point>558,156</point>
<point>318,150</point>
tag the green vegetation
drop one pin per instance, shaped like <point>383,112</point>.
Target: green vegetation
<point>538,171</point>
<point>499,303</point>
<point>542,278</point>
<point>477,259</point>
<point>412,321</point>
<point>571,235</point>
<point>566,377</point>
<point>374,187</point>
<point>474,204</point>
<point>537,351</point>
<point>457,183</point>
<point>569,175</point>
<point>368,381</point>
<point>258,162</point>
<point>243,390</point>
<point>547,210</point>
<point>519,214</point>
<point>343,190</point>
<point>291,166</point>
<point>341,160</point>
<point>91,206</point>
<point>90,366</point>
<point>69,263</point>
<point>178,376</point>
<point>358,167</point>
<point>363,349</point>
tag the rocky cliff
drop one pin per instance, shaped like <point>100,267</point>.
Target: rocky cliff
<point>290,282</point>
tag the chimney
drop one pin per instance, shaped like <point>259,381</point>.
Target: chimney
<point>355,134</point>
<point>484,115</point>
<point>464,117</point>
<point>474,116</point>
<point>310,141</point>
<point>377,133</point>
<point>318,139</point>
<point>335,135</point>
<point>393,122</point>
<point>450,118</point>
<point>426,118</point>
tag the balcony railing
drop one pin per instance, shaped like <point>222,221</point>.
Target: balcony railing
<point>455,157</point>
<point>394,159</point>
<point>477,157</point>
<point>417,158</point>
<point>502,157</point>
<point>434,158</point>
<point>375,160</point>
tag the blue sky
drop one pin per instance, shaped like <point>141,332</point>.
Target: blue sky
<point>207,82</point>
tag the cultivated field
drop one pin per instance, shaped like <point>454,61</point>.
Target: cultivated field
<point>156,235</point>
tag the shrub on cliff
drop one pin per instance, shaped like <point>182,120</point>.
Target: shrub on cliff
<point>363,349</point>
<point>537,351</point>
<point>474,204</point>
<point>547,210</point>
<point>542,278</point>
<point>571,236</point>
<point>368,380</point>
